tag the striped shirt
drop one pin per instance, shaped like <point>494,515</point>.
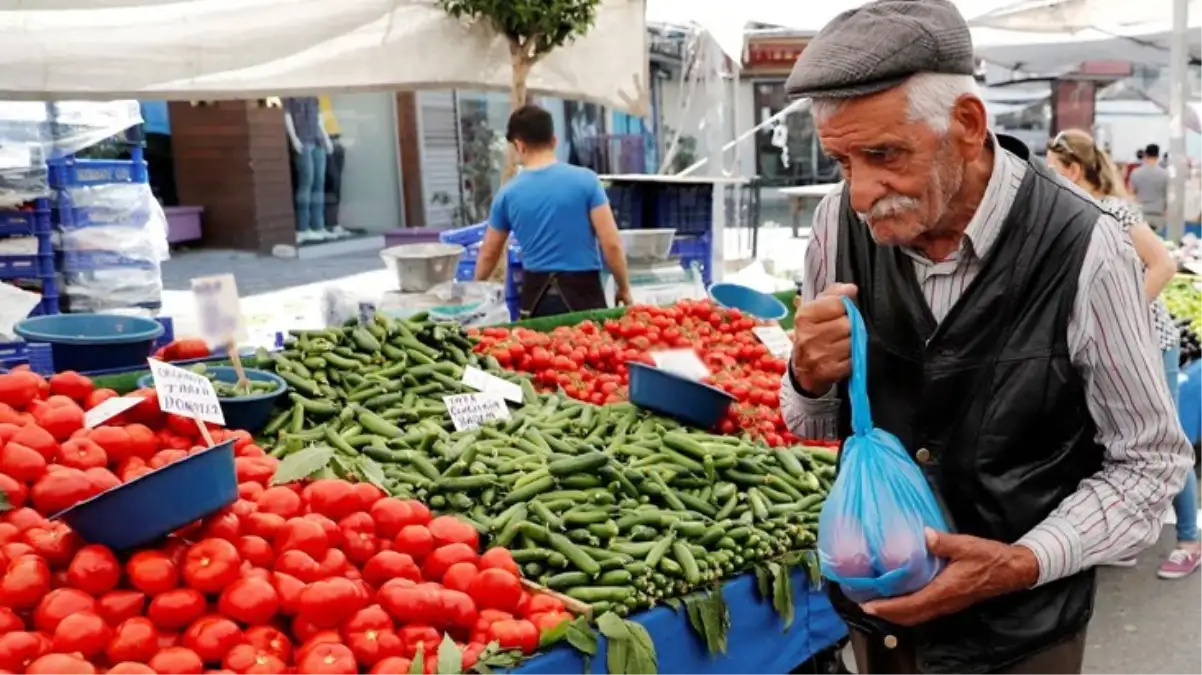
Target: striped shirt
<point>1117,512</point>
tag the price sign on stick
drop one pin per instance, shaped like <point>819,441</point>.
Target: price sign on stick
<point>481,381</point>
<point>219,311</point>
<point>469,411</point>
<point>188,394</point>
<point>775,339</point>
<point>682,362</point>
<point>109,409</point>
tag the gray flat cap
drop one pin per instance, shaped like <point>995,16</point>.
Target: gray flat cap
<point>878,45</point>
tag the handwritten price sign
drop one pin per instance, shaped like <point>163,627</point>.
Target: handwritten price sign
<point>219,310</point>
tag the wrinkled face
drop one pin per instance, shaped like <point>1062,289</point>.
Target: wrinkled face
<point>1064,167</point>
<point>902,174</point>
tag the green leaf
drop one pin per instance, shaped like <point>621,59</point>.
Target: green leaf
<point>581,636</point>
<point>782,592</point>
<point>5,505</point>
<point>643,650</point>
<point>343,468</point>
<point>450,660</point>
<point>554,635</point>
<point>710,618</point>
<point>763,581</point>
<point>418,664</point>
<point>495,657</point>
<point>629,648</point>
<point>371,472</point>
<point>674,603</point>
<point>302,464</point>
<point>612,626</point>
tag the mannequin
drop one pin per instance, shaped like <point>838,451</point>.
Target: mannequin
<point>337,159</point>
<point>311,147</point>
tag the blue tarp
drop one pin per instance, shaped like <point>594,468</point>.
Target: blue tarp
<point>756,642</point>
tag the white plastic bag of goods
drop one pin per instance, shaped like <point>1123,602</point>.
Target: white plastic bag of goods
<point>208,49</point>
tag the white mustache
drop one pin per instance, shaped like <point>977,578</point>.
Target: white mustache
<point>889,206</point>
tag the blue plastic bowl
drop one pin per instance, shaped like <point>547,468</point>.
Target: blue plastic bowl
<point>748,300</point>
<point>241,412</point>
<point>696,403</point>
<point>152,506</point>
<point>86,342</point>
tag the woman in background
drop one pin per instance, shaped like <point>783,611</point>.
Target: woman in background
<point>1075,156</point>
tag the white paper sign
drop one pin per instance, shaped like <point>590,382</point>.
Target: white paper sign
<point>185,393</point>
<point>15,305</point>
<point>109,409</point>
<point>219,310</point>
<point>481,381</point>
<point>469,411</point>
<point>775,339</point>
<point>1194,267</point>
<point>682,362</point>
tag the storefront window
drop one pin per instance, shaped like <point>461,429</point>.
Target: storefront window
<point>788,152</point>
<point>344,159</point>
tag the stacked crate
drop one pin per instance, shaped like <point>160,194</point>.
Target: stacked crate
<point>29,228</point>
<point>109,244</point>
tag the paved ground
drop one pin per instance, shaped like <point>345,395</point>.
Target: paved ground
<point>1141,624</point>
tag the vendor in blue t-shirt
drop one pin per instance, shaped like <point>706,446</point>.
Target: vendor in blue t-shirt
<point>561,216</point>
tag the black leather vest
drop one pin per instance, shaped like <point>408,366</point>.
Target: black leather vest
<point>990,397</point>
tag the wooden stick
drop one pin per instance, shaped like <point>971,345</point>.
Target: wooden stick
<point>204,431</point>
<point>232,349</point>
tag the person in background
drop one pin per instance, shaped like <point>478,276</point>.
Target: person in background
<point>1005,311</point>
<point>1075,156</point>
<point>561,216</point>
<point>1150,183</point>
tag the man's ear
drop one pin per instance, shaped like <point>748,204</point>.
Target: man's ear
<point>971,120</point>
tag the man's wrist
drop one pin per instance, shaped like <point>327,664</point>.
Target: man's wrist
<point>1023,567</point>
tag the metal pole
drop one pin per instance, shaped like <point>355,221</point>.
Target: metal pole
<point>1179,163</point>
<point>799,104</point>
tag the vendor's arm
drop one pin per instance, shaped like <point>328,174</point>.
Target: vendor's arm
<point>495,237</point>
<point>1115,513</point>
<point>606,228</point>
<point>809,416</point>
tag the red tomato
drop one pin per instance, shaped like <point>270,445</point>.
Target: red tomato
<point>518,634</point>
<point>281,501</point>
<point>22,463</point>
<point>61,489</point>
<point>499,558</point>
<point>437,563</point>
<point>58,604</point>
<point>212,637</point>
<point>251,601</point>
<point>450,530</point>
<point>176,661</point>
<point>459,577</point>
<point>53,541</point>
<point>392,665</point>
<point>94,570</point>
<point>19,649</point>
<point>130,668</point>
<point>414,540</point>
<point>327,659</point>
<point>288,588</point>
<point>329,602</point>
<point>256,550</point>
<point>51,664</point>
<point>84,632</point>
<point>496,589</point>
<point>358,534</point>
<point>249,659</point>
<point>117,606</point>
<point>152,572</point>
<point>334,499</point>
<point>271,640</point>
<point>387,565</point>
<point>306,536</point>
<point>211,565</point>
<point>9,621</point>
<point>135,639</point>
<point>300,565</point>
<point>176,608</point>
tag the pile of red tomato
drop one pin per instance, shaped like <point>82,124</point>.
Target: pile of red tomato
<point>325,577</point>
<point>588,361</point>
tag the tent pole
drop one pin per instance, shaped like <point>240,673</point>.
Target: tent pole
<point>1179,79</point>
<point>799,104</point>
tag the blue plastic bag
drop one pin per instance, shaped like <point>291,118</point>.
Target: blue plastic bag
<point>870,533</point>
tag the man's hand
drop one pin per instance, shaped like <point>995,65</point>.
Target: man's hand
<point>822,340</point>
<point>623,298</point>
<point>976,569</point>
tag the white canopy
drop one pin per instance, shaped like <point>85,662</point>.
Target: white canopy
<point>205,49</point>
<point>1042,16</point>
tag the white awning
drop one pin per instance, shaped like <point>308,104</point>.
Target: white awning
<point>205,49</point>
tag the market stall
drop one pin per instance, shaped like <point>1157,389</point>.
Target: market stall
<point>619,521</point>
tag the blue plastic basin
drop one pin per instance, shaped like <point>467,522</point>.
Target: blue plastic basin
<point>154,505</point>
<point>88,342</point>
<point>693,402</point>
<point>748,300</point>
<point>241,412</point>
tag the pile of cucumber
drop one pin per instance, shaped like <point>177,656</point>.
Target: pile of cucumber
<point>606,504</point>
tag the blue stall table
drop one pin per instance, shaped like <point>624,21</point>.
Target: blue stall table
<point>756,642</point>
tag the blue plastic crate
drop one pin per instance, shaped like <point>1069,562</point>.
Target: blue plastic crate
<point>25,267</point>
<point>692,247</point>
<point>686,207</point>
<point>464,236</point>
<point>78,217</point>
<point>466,271</point>
<point>627,201</point>
<point>25,223</point>
<point>71,172</point>
<point>93,261</point>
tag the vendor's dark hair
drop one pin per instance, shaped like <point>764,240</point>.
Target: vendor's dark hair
<point>1152,150</point>
<point>531,125</point>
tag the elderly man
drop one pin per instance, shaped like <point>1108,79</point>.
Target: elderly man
<point>1009,349</point>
